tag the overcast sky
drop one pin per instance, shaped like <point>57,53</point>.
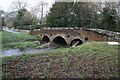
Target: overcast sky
<point>6,4</point>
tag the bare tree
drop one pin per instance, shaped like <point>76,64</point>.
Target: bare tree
<point>34,11</point>
<point>19,4</point>
<point>39,10</point>
<point>1,12</point>
<point>42,4</point>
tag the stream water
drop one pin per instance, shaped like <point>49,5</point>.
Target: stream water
<point>11,52</point>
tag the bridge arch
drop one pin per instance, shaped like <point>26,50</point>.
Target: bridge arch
<point>60,40</point>
<point>79,40</point>
<point>45,38</point>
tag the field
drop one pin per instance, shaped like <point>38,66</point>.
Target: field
<point>90,60</point>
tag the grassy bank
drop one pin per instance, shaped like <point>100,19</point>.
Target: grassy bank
<point>19,40</point>
<point>87,60</point>
<point>8,37</point>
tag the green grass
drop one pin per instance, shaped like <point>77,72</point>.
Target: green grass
<point>95,59</point>
<point>8,37</point>
<point>19,40</point>
<point>22,45</point>
<point>18,45</point>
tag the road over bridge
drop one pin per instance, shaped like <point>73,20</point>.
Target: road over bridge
<point>68,36</point>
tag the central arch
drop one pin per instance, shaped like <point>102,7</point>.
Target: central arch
<point>59,40</point>
<point>45,38</point>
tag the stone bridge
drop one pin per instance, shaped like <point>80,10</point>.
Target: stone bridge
<point>67,36</point>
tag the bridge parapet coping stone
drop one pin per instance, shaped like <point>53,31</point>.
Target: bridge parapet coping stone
<point>55,28</point>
